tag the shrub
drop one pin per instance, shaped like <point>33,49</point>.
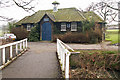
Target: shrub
<point>73,37</point>
<point>92,37</point>
<point>20,32</point>
<point>33,36</point>
<point>87,25</point>
<point>56,36</point>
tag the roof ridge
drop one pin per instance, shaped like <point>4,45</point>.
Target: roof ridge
<point>81,14</point>
<point>58,9</point>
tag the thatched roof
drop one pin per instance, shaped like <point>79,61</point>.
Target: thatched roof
<point>91,15</point>
<point>62,15</point>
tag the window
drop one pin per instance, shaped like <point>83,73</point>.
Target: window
<point>68,25</point>
<point>63,26</point>
<point>46,19</point>
<point>29,27</point>
<point>73,26</point>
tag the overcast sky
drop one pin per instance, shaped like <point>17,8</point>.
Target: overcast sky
<point>18,13</point>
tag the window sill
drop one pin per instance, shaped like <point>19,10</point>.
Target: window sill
<point>74,30</point>
<point>28,30</point>
<point>63,30</point>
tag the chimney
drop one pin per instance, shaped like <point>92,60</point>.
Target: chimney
<point>55,3</point>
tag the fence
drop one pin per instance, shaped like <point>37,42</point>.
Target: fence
<point>10,51</point>
<point>63,55</point>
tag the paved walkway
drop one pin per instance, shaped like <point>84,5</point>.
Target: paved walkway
<point>38,62</point>
<point>103,46</point>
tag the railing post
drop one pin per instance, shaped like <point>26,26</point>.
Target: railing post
<point>26,43</point>
<point>57,46</point>
<point>61,56</point>
<point>16,48</point>
<point>63,66</point>
<point>20,46</point>
<point>11,55</point>
<point>23,45</point>
<point>3,55</point>
<point>67,65</point>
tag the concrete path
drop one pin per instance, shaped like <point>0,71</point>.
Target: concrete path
<point>100,46</point>
<point>38,62</point>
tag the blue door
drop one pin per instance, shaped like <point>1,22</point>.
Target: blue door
<point>46,31</point>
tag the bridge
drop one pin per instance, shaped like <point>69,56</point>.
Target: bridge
<point>33,60</point>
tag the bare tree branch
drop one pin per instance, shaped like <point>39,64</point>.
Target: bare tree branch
<point>3,18</point>
<point>113,8</point>
<point>5,3</point>
<point>24,5</point>
<point>27,5</point>
<point>104,10</point>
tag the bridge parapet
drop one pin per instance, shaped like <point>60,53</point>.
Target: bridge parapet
<point>11,51</point>
<point>63,56</point>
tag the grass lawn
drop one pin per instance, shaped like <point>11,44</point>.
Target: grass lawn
<point>0,32</point>
<point>112,35</point>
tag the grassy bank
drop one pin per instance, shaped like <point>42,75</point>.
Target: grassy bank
<point>94,64</point>
<point>112,35</point>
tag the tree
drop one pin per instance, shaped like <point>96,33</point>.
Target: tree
<point>5,29</point>
<point>103,10</point>
<point>8,27</point>
<point>11,25</point>
<point>87,25</point>
<point>27,5</point>
<point>118,9</point>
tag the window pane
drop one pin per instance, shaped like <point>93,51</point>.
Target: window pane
<point>63,26</point>
<point>74,26</point>
<point>28,27</point>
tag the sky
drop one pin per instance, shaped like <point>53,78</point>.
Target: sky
<point>18,13</point>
